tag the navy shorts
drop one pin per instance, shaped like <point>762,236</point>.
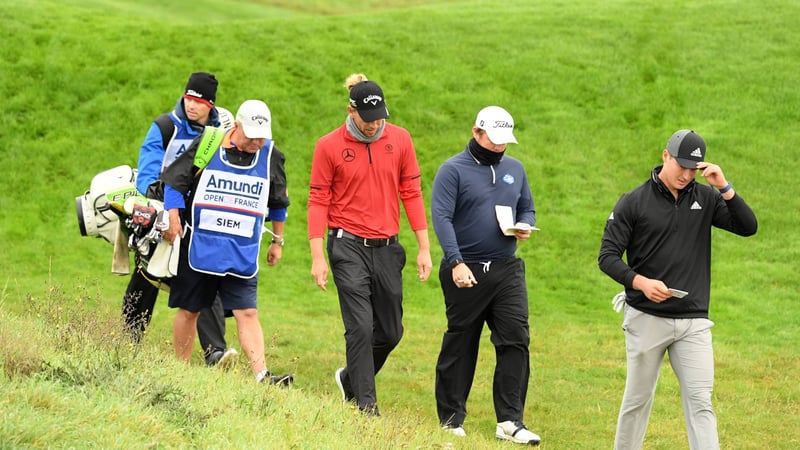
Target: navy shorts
<point>193,291</point>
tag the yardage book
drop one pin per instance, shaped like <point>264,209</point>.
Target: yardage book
<point>505,219</point>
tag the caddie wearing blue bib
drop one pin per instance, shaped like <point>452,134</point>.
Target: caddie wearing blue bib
<point>217,191</point>
<point>228,215</point>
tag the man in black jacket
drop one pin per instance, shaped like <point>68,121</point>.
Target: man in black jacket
<point>664,226</point>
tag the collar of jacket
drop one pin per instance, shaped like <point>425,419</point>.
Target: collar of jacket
<point>664,189</point>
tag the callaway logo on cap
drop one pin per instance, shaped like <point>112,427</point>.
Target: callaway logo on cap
<point>373,99</point>
<point>256,119</point>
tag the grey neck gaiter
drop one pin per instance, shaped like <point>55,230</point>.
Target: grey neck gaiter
<point>352,128</point>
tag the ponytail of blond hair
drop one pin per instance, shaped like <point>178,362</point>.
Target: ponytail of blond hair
<point>354,79</point>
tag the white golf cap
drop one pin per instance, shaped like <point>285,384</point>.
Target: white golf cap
<point>498,125</point>
<point>256,119</point>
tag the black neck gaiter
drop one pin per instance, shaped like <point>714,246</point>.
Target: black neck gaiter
<point>482,155</point>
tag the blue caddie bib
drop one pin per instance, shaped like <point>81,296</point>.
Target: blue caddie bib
<point>228,211</point>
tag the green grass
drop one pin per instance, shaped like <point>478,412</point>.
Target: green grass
<point>596,88</point>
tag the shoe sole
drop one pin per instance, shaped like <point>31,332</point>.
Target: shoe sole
<point>228,359</point>
<point>458,431</point>
<point>504,437</point>
<point>338,377</point>
<point>282,380</point>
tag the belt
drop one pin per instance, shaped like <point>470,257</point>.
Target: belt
<point>340,233</point>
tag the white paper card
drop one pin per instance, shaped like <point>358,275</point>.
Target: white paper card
<point>677,293</point>
<point>505,219</point>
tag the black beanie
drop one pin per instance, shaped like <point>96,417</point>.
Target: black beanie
<point>202,86</point>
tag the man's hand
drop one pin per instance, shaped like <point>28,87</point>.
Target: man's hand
<point>175,228</point>
<point>319,271</point>
<point>713,174</point>
<point>319,267</point>
<point>424,265</point>
<point>655,290</point>
<point>714,177</point>
<point>522,231</point>
<point>463,277</point>
<point>274,254</point>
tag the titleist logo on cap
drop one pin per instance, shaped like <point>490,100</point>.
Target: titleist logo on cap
<point>502,124</point>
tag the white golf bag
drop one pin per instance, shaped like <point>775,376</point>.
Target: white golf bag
<point>101,207</point>
<point>114,210</point>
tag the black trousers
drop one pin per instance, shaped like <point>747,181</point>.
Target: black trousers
<point>137,310</point>
<point>211,328</point>
<point>137,304</point>
<point>369,281</point>
<point>500,300</point>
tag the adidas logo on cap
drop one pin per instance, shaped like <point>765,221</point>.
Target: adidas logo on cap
<point>687,147</point>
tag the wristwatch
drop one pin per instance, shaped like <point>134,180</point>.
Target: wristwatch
<point>278,240</point>
<point>455,262</point>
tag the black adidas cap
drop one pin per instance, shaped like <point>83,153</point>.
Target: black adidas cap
<point>687,147</point>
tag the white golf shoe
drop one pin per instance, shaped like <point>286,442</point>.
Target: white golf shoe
<point>516,432</point>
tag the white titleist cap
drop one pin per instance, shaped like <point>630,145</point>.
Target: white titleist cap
<point>498,125</point>
<point>256,119</point>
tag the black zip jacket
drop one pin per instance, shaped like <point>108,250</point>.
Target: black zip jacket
<point>670,240</point>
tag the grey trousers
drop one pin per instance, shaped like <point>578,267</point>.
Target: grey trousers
<point>688,342</point>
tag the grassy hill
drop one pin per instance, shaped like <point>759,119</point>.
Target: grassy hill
<point>596,88</point>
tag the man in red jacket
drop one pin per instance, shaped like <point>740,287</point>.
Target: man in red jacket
<point>359,173</point>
